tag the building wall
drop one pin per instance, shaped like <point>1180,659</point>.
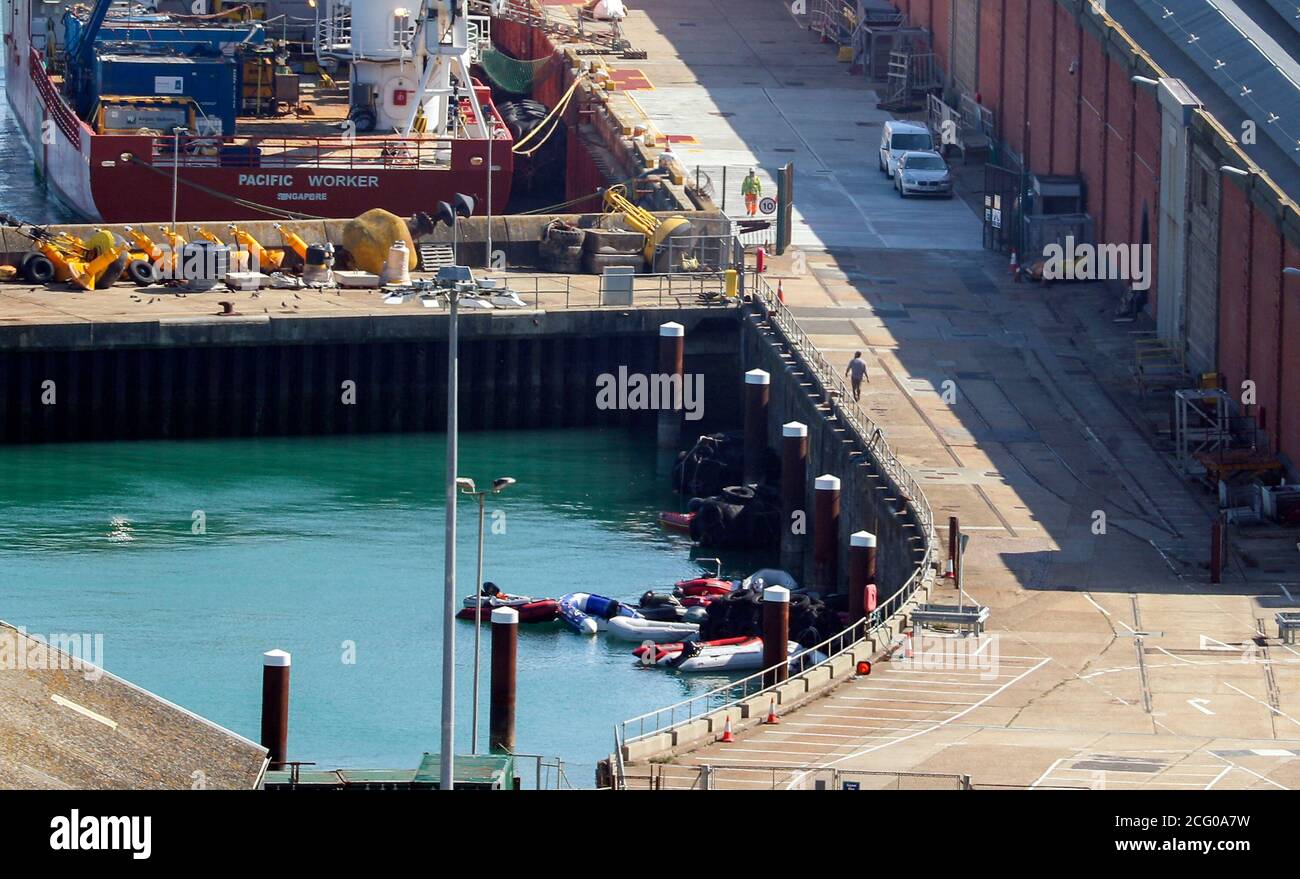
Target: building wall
<point>1058,76</point>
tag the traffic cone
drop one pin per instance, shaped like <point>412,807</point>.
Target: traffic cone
<point>907,644</point>
<point>771,713</point>
<point>780,292</point>
<point>727,737</point>
<point>948,572</point>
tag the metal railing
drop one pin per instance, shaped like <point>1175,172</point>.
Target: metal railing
<point>678,289</point>
<point>335,152</point>
<point>712,776</point>
<point>871,438</point>
<point>548,772</point>
<point>58,110</point>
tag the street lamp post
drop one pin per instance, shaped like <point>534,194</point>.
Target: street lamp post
<point>448,748</point>
<point>464,206</point>
<point>176,173</point>
<point>467,486</point>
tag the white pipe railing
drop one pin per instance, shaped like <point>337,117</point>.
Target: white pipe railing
<point>872,439</point>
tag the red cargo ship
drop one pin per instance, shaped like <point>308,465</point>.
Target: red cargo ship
<point>318,162</point>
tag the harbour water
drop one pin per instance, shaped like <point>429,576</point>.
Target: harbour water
<point>331,548</point>
<point>21,192</point>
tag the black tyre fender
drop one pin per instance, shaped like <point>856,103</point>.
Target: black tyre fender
<point>738,494</point>
<point>37,268</point>
<point>141,273</point>
<point>363,119</point>
<point>113,273</point>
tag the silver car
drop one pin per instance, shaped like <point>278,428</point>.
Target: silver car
<point>923,173</point>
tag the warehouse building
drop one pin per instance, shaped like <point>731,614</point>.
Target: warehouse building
<point>1181,118</point>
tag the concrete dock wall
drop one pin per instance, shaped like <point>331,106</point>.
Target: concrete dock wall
<point>228,377</point>
<point>866,501</point>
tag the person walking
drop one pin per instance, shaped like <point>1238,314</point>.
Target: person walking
<point>752,188</point>
<point>857,371</point>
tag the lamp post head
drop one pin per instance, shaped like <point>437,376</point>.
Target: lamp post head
<point>465,484</point>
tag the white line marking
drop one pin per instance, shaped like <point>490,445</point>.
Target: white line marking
<point>1047,772</point>
<point>944,722</point>
<point>1095,604</point>
<point>909,689</point>
<point>1265,704</point>
<point>915,701</point>
<point>81,709</point>
<point>1216,778</point>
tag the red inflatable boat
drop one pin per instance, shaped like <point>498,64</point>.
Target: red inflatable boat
<point>677,521</point>
<point>539,610</point>
<point>706,586</point>
<point>664,652</point>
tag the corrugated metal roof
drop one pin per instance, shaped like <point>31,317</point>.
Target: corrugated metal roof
<point>66,725</point>
<point>1288,11</point>
<point>1246,51</point>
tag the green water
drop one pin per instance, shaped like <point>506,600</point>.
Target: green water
<point>311,543</point>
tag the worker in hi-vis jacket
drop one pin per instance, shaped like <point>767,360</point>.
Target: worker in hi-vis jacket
<point>752,188</point>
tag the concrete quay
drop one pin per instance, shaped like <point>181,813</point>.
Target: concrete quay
<point>1110,660</point>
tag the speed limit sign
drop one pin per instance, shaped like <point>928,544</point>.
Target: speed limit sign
<point>767,206</point>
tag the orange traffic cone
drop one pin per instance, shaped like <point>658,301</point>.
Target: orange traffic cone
<point>771,713</point>
<point>727,737</point>
<point>780,293</point>
<point>907,645</point>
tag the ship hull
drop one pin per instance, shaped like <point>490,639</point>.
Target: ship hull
<point>115,178</point>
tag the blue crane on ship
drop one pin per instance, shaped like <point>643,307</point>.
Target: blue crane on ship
<point>80,75</point>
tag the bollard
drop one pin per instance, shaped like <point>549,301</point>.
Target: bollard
<point>505,649</point>
<point>776,634</point>
<point>672,355</point>
<point>826,533</point>
<point>758,388</point>
<point>862,574</point>
<point>794,481</point>
<point>954,552</point>
<point>275,706</point>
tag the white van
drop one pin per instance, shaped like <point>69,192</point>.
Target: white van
<point>898,137</point>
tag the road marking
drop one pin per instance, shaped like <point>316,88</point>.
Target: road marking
<point>1199,705</point>
<point>1047,772</point>
<point>81,709</point>
<point>932,728</point>
<point>1216,778</point>
<point>915,701</point>
<point>1265,704</point>
<point>1095,604</point>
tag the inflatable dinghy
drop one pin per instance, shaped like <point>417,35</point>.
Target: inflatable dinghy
<point>676,521</point>
<point>663,653</point>
<point>530,610</point>
<point>641,629</point>
<point>588,614</point>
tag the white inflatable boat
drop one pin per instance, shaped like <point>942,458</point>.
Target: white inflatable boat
<point>661,632</point>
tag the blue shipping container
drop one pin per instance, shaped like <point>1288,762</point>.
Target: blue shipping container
<point>211,82</point>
